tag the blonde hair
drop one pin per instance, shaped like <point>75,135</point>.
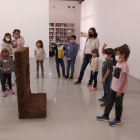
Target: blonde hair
<point>4,51</point>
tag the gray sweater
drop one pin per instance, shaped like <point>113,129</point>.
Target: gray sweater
<point>6,63</point>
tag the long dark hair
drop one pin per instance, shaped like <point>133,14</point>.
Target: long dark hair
<point>40,41</point>
<point>7,34</point>
<point>94,32</point>
<point>16,30</point>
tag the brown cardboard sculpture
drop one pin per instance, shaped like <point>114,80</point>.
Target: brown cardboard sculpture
<point>29,105</point>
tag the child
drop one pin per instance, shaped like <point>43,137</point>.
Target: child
<point>94,68</point>
<point>40,55</point>
<point>107,70</point>
<point>118,88</point>
<point>59,55</point>
<point>71,53</point>
<point>6,67</point>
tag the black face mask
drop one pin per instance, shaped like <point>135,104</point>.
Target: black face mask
<point>91,35</point>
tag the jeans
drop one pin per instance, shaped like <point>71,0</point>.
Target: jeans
<point>41,64</point>
<point>118,105</point>
<point>70,63</point>
<point>61,62</point>
<point>6,76</point>
<point>87,57</point>
<point>94,77</point>
<point>106,87</point>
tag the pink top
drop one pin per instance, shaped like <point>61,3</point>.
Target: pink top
<point>118,77</point>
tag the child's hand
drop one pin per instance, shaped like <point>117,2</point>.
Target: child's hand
<point>104,45</point>
<point>118,94</point>
<point>8,69</point>
<point>103,81</point>
<point>90,60</point>
<point>68,58</point>
<point>93,73</point>
<point>13,60</point>
<point>5,70</point>
<point>63,56</point>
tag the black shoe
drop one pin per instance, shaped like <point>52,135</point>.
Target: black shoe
<point>102,100</point>
<point>71,77</point>
<point>103,105</point>
<point>66,76</point>
<point>76,83</point>
<point>89,84</point>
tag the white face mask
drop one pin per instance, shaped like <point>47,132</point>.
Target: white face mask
<point>72,41</point>
<point>105,56</point>
<point>117,58</point>
<point>7,39</point>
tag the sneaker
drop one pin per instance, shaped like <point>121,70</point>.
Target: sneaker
<point>42,75</point>
<point>37,75</point>
<point>92,89</point>
<point>103,105</point>
<point>102,99</point>
<point>4,94</point>
<point>89,84</point>
<point>71,77</point>
<point>66,76</point>
<point>115,123</point>
<point>11,91</point>
<point>102,118</point>
<point>76,83</point>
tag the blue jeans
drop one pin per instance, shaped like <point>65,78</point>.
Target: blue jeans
<point>87,57</point>
<point>61,62</point>
<point>70,63</point>
<point>106,87</point>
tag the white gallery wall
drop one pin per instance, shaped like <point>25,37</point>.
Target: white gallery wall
<point>117,22</point>
<point>60,13</point>
<point>30,16</point>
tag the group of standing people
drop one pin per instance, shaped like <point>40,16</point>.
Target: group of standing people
<point>10,44</point>
<point>114,86</point>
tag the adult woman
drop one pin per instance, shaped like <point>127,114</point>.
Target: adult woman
<point>17,40</point>
<point>17,44</point>
<point>91,43</point>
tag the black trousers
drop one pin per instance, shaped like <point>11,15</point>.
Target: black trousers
<point>94,77</point>
<point>118,105</point>
<point>4,77</point>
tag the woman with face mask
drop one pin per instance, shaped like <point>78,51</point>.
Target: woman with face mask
<point>92,42</point>
<point>17,40</point>
<point>17,44</point>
